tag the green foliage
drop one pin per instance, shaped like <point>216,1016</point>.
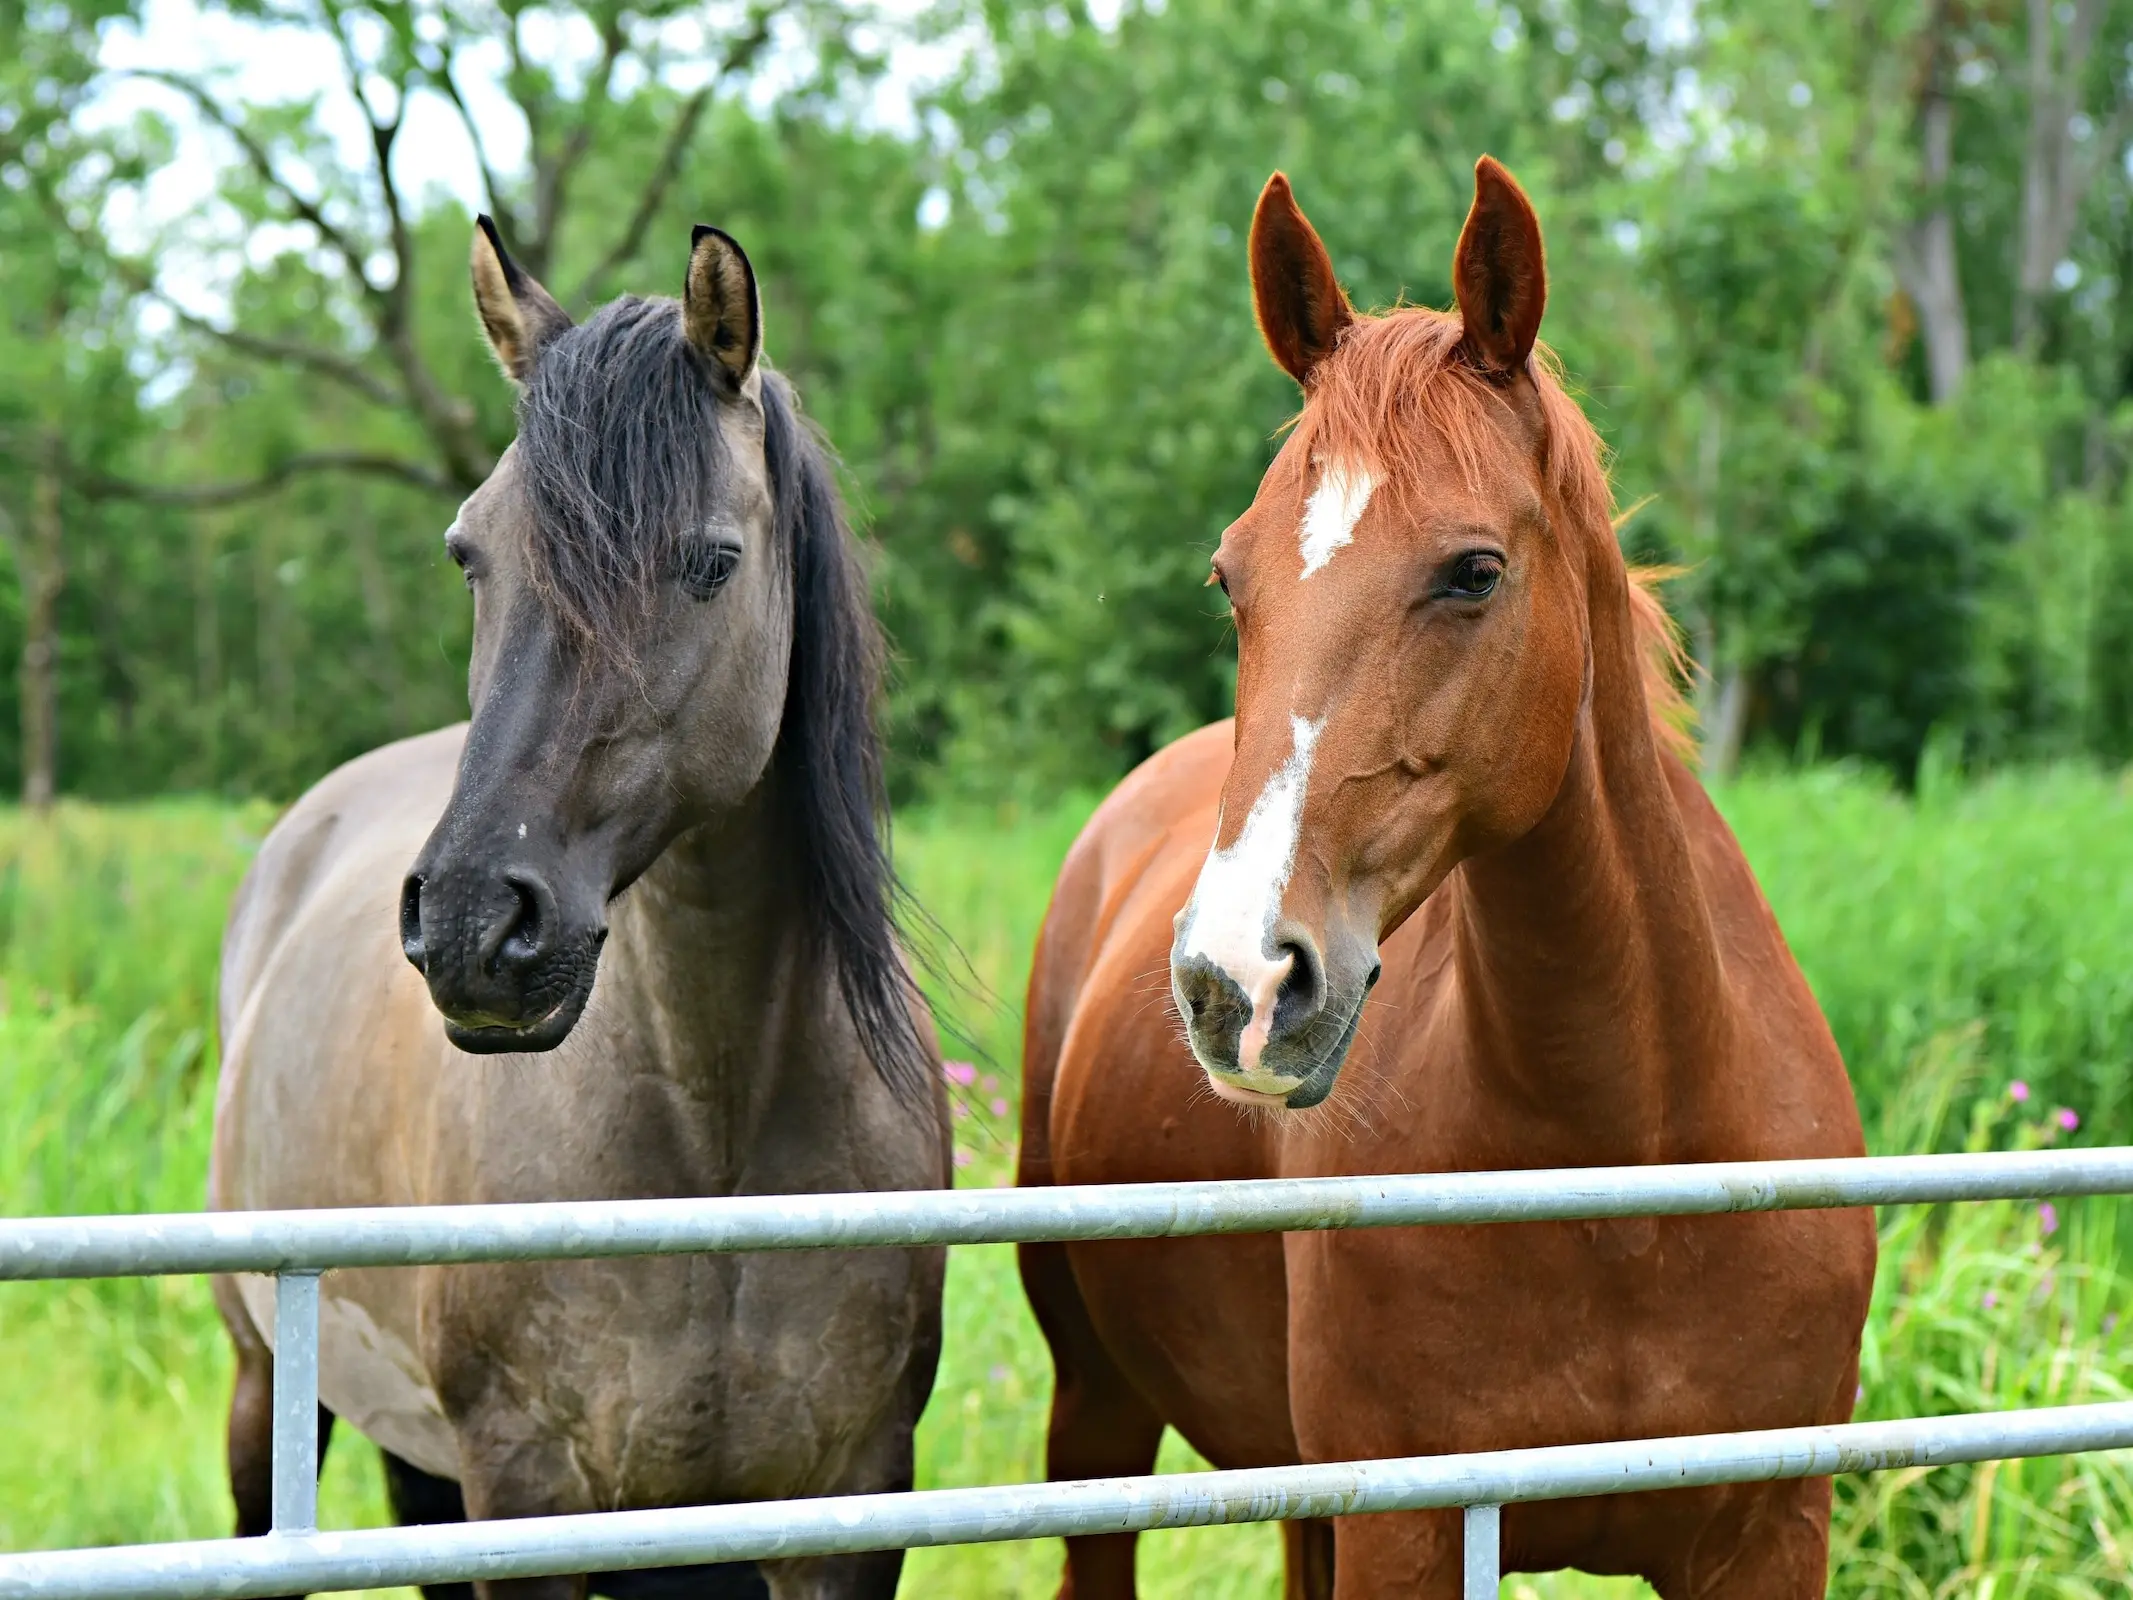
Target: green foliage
<point>1025,320</point>
<point>1960,942</point>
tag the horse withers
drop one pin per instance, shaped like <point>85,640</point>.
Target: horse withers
<point>1444,897</point>
<point>645,949</point>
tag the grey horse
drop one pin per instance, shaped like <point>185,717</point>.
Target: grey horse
<point>671,783</point>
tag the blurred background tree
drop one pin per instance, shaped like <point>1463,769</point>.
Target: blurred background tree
<point>1840,282</point>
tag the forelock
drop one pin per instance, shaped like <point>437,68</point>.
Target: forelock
<point>620,453</point>
<point>1397,390</point>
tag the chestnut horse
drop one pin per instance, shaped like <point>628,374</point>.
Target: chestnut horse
<point>1450,790</point>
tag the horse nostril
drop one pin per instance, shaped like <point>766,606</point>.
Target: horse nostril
<point>1302,987</point>
<point>411,924</point>
<point>523,939</point>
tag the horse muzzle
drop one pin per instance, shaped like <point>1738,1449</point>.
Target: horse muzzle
<point>507,966</point>
<point>1273,1036</point>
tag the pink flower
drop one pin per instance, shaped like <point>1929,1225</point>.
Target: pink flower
<point>990,1083</point>
<point>1992,1298</point>
<point>962,1158</point>
<point>999,1108</point>
<point>2048,1217</point>
<point>2018,1091</point>
<point>959,1072</point>
<point>2068,1119</point>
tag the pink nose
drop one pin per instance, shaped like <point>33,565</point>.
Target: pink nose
<point>1261,982</point>
<point>1247,1013</point>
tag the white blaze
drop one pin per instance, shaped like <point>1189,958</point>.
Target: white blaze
<point>1335,507</point>
<point>1230,922</point>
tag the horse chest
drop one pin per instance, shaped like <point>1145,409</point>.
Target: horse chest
<point>638,1382</point>
<point>1528,1334</point>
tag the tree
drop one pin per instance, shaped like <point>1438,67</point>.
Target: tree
<point>364,234</point>
<point>61,398</point>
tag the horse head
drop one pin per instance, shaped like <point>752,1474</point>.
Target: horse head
<point>666,611</point>
<point>1413,659</point>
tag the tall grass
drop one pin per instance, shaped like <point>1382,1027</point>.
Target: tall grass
<point>1968,946</point>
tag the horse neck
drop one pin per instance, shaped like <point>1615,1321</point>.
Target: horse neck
<point>1589,972</point>
<point>710,953</point>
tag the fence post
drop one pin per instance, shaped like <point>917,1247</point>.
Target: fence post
<point>1484,1552</point>
<point>295,1402</point>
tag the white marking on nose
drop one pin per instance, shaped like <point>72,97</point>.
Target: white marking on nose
<point>1230,923</point>
<point>522,830</point>
<point>1332,512</point>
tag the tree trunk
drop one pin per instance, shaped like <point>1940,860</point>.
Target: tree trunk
<point>1927,261</point>
<point>1719,700</point>
<point>207,648</point>
<point>1726,725</point>
<point>2057,169</point>
<point>40,559</point>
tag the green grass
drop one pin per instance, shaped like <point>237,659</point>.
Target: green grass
<point>1960,944</point>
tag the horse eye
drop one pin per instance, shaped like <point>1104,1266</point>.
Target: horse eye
<point>457,550</point>
<point>706,564</point>
<point>1473,577</point>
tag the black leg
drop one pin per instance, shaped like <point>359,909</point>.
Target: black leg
<point>419,1499</point>
<point>728,1580</point>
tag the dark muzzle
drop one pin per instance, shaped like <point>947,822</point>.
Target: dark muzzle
<point>504,962</point>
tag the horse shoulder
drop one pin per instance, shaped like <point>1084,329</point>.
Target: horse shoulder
<point>310,840</point>
<point>1147,819</point>
<point>312,931</point>
<point>1106,1079</point>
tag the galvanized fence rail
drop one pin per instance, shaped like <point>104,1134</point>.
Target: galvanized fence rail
<point>297,1246</point>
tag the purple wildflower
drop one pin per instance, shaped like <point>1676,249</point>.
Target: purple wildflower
<point>2048,1217</point>
<point>999,1108</point>
<point>2018,1091</point>
<point>1992,1298</point>
<point>959,1072</point>
<point>2068,1118</point>
<point>989,1083</point>
<point>962,1158</point>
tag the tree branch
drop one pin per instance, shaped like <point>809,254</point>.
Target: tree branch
<point>330,364</point>
<point>306,208</point>
<point>551,177</point>
<point>448,424</point>
<point>326,363</point>
<point>365,463</point>
<point>664,172</point>
<point>740,55</point>
<point>492,190</point>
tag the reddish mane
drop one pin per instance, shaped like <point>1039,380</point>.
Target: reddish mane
<point>1398,379</point>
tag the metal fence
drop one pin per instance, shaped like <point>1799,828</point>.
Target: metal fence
<point>297,1246</point>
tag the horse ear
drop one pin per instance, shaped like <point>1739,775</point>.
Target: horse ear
<point>720,309</point>
<point>517,313</point>
<point>1500,272</point>
<point>1301,308</point>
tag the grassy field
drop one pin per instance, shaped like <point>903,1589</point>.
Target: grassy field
<point>1970,947</point>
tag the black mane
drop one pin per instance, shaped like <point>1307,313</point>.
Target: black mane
<point>619,450</point>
